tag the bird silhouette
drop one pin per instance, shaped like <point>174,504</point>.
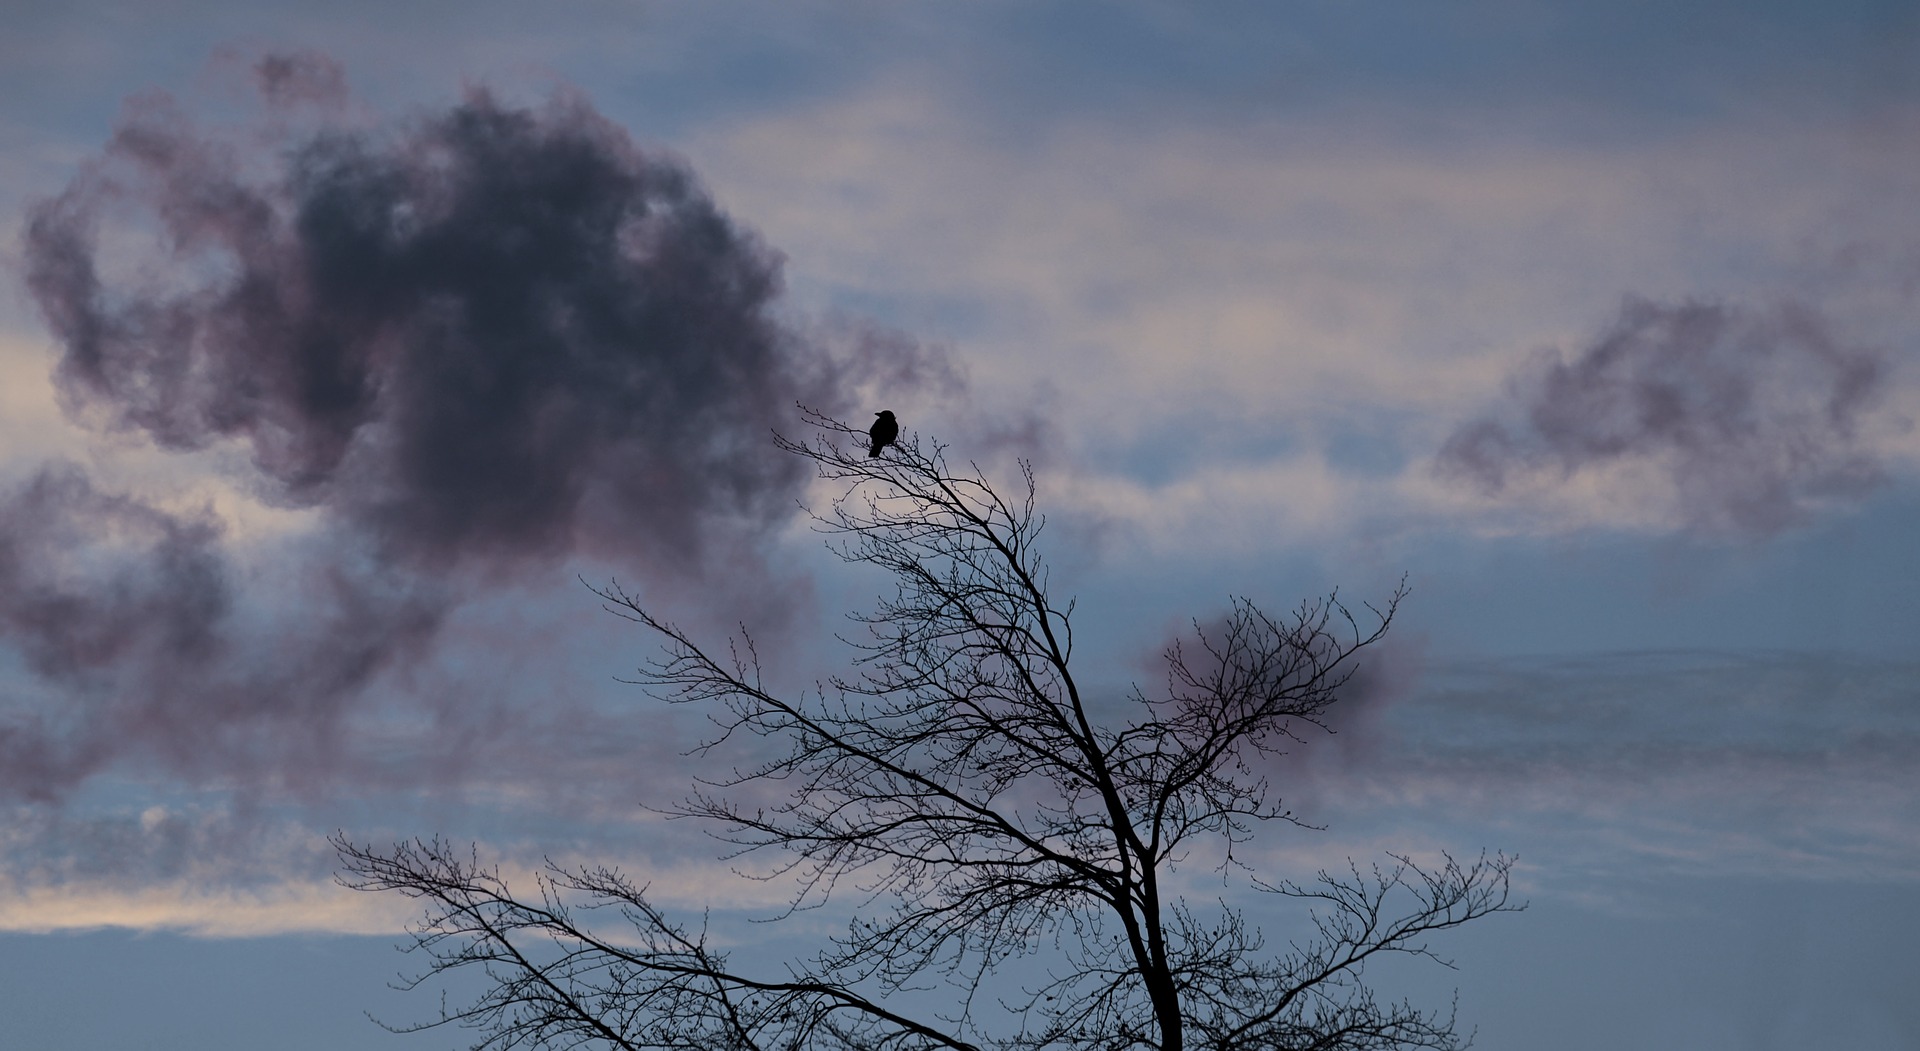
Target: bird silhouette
<point>884,431</point>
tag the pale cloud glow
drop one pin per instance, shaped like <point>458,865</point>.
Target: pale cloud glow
<point>31,426</point>
<point>190,907</point>
<point>1246,260</point>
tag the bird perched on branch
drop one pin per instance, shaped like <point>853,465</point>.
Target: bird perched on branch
<point>884,431</point>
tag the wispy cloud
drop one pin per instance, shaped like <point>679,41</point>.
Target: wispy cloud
<point>1752,418</point>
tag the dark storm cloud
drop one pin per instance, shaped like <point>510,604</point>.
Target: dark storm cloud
<point>1754,414</point>
<point>490,334</point>
<point>475,343</point>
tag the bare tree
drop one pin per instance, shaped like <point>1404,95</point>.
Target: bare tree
<point>962,780</point>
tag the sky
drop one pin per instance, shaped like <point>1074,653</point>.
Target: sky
<point>339,346</point>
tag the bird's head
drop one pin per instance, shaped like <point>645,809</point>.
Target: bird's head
<point>885,414</point>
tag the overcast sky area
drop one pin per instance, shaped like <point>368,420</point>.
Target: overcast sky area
<point>338,343</point>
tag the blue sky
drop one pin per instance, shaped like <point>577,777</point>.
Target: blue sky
<point>1595,322</point>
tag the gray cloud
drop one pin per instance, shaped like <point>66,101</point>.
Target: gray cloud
<point>1753,414</point>
<point>130,615</point>
<point>72,606</point>
<point>167,573</point>
<point>476,342</point>
<point>488,334</point>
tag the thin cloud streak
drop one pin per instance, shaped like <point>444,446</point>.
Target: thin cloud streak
<point>208,868</point>
<point>1682,762</point>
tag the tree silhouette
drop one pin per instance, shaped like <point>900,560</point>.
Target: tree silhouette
<point>986,811</point>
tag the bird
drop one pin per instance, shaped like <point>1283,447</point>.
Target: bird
<point>884,431</point>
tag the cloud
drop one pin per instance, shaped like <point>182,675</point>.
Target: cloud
<point>471,344</point>
<point>211,872</point>
<point>1753,418</point>
<point>132,616</point>
<point>163,868</point>
<point>487,335</point>
<point>163,593</point>
<point>1649,763</point>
